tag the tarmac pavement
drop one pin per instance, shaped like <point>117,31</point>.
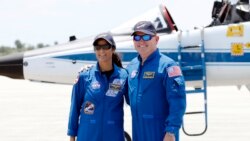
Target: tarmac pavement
<point>33,111</point>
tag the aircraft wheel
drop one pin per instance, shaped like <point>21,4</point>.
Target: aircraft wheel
<point>127,137</point>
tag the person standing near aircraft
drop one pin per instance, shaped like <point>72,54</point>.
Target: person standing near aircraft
<point>156,89</point>
<point>96,112</point>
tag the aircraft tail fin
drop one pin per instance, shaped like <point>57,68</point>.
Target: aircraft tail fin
<point>159,16</point>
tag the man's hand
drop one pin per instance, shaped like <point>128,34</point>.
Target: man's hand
<point>71,138</point>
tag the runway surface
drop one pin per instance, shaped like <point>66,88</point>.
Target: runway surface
<point>32,111</point>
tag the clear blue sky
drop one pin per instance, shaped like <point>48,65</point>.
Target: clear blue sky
<point>47,21</point>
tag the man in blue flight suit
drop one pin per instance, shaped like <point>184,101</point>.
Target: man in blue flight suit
<point>156,89</point>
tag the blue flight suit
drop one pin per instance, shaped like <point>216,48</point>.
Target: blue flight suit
<point>157,97</point>
<point>96,112</point>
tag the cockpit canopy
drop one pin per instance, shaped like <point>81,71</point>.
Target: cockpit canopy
<point>225,13</point>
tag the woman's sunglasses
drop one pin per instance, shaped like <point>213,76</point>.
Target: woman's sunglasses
<point>145,37</point>
<point>104,47</point>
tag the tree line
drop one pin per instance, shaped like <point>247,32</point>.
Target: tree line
<point>20,47</point>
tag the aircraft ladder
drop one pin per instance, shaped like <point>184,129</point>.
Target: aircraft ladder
<point>194,70</point>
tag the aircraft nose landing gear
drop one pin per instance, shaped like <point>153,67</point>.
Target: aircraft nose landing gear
<point>127,137</point>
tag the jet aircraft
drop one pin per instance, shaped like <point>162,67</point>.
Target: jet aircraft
<point>216,55</point>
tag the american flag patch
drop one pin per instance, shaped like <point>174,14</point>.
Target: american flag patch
<point>174,71</point>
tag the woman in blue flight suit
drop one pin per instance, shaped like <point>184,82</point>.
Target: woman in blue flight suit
<point>96,112</point>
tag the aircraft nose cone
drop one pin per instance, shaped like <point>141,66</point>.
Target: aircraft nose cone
<point>12,66</point>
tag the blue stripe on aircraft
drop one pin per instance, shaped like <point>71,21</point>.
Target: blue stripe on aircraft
<point>187,57</point>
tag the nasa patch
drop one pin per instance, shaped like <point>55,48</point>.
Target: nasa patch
<point>133,74</point>
<point>95,85</point>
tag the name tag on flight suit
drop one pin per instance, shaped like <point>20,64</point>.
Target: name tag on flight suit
<point>149,75</point>
<point>114,88</point>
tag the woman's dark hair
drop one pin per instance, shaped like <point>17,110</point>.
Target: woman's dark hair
<point>107,36</point>
<point>117,60</point>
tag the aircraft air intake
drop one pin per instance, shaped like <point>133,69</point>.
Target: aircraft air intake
<point>12,66</point>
